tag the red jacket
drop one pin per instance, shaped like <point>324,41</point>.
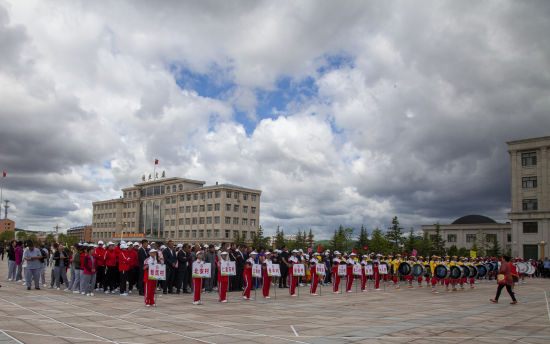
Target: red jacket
<point>87,265</point>
<point>99,254</point>
<point>133,258</point>
<point>124,261</point>
<point>110,258</point>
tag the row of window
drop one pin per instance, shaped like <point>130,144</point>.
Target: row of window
<point>105,206</point>
<point>129,214</point>
<point>105,216</point>
<point>112,225</point>
<point>530,204</point>
<point>130,205</point>
<point>209,207</point>
<point>209,195</point>
<point>529,182</point>
<point>192,234</point>
<point>529,159</point>
<point>209,220</point>
<point>161,190</point>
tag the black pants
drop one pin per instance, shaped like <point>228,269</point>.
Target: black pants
<point>181,280</point>
<point>111,277</point>
<point>508,289</point>
<point>100,277</point>
<point>140,280</point>
<point>132,277</point>
<point>284,276</point>
<point>170,278</point>
<point>123,278</point>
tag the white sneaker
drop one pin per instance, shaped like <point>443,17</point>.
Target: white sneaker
<point>196,302</point>
<point>24,283</point>
<point>313,294</point>
<point>123,294</point>
<point>76,292</point>
<point>245,298</point>
<point>224,301</point>
<point>107,292</point>
<point>349,291</point>
<point>67,289</point>
<point>130,292</point>
<point>91,294</point>
<point>83,293</point>
<point>9,279</point>
<point>147,305</point>
<point>44,285</point>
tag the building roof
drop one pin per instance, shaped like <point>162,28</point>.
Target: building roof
<point>473,220</point>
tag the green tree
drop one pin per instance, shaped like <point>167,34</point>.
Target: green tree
<point>348,234</point>
<point>338,241</point>
<point>463,252</point>
<point>72,240</point>
<point>279,238</point>
<point>21,235</point>
<point>362,240</point>
<point>438,242</point>
<point>310,240</point>
<point>300,240</point>
<point>49,238</point>
<point>33,238</point>
<point>240,240</point>
<point>62,239</point>
<point>453,251</point>
<point>394,235</point>
<point>411,242</point>
<point>7,236</point>
<point>259,240</point>
<point>495,250</point>
<point>379,243</point>
<point>425,246</point>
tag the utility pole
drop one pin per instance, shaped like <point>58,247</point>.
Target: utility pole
<point>6,209</point>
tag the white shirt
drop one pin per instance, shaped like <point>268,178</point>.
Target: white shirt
<point>293,259</point>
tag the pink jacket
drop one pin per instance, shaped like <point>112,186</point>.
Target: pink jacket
<point>88,266</point>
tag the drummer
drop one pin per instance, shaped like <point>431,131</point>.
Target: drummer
<point>433,263</point>
<point>412,261</point>
<point>462,280</point>
<point>454,281</point>
<point>388,259</point>
<point>396,276</point>
<point>469,264</point>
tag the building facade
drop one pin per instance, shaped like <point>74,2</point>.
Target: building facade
<point>83,233</point>
<point>180,209</point>
<point>482,230</point>
<point>6,225</point>
<point>530,196</point>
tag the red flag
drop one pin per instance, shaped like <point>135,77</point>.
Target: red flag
<point>355,251</point>
<point>156,161</point>
<point>319,248</point>
<point>3,174</point>
<point>365,248</point>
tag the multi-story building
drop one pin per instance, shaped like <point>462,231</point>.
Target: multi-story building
<point>482,230</point>
<point>180,209</point>
<point>530,196</point>
<point>6,225</point>
<point>83,233</point>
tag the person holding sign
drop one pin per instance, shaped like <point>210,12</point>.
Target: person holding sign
<point>247,275</point>
<point>335,277</point>
<point>376,271</point>
<point>315,277</point>
<point>293,279</point>
<point>223,279</point>
<point>197,280</point>
<point>266,279</point>
<point>364,263</point>
<point>350,262</point>
<point>149,285</point>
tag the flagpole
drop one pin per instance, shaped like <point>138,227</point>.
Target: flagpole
<point>154,170</point>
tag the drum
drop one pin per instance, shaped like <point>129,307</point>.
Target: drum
<point>466,271</point>
<point>531,270</point>
<point>417,270</point>
<point>442,271</point>
<point>495,266</point>
<point>404,269</point>
<point>522,267</point>
<point>456,272</point>
<point>481,270</point>
<point>489,267</point>
<point>473,271</point>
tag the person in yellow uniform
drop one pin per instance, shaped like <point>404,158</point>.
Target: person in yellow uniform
<point>395,265</point>
<point>454,281</point>
<point>462,280</point>
<point>433,263</point>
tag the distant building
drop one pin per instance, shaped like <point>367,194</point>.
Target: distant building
<point>40,235</point>
<point>6,225</point>
<point>180,209</point>
<point>530,196</point>
<point>464,231</point>
<point>83,233</point>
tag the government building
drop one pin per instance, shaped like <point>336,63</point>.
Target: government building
<point>530,196</point>
<point>180,209</point>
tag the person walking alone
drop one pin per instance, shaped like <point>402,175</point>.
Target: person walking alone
<point>504,279</point>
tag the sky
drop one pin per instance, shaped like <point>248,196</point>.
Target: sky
<point>341,112</point>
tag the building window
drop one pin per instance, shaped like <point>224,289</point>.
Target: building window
<point>173,212</point>
<point>491,238</point>
<point>245,209</point>
<point>509,237</point>
<point>530,251</point>
<point>216,219</point>
<point>252,222</point>
<point>193,234</point>
<point>253,210</point>
<point>195,196</point>
<point>216,233</point>
<point>202,196</point>
<point>194,220</point>
<point>202,208</point>
<point>227,233</point>
<point>182,210</point>
<point>195,208</point>
<point>201,234</point>
<point>217,194</point>
<point>245,197</point>
<point>172,233</point>
<point>530,204</point>
<point>187,221</point>
<point>236,208</point>
<point>235,220</point>
<point>529,159</point>
<point>451,237</point>
<point>182,198</point>
<point>236,194</point>
<point>188,197</point>
<point>188,209</point>
<point>201,220</point>
<point>208,233</point>
<point>470,237</point>
<point>227,207</point>
<point>217,207</point>
<point>235,234</point>
<point>180,234</point>
<point>173,188</point>
<point>209,220</point>
<point>187,234</point>
<point>209,207</point>
<point>209,194</point>
<point>180,222</point>
<point>167,222</point>
<point>180,187</point>
<point>172,222</point>
<point>253,198</point>
<point>227,220</point>
<point>245,233</point>
<point>530,227</point>
<point>245,222</point>
<point>228,194</point>
<point>529,182</point>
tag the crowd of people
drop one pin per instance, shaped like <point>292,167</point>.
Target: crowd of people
<point>123,268</point>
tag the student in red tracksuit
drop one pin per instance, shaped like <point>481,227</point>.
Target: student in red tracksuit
<point>266,279</point>
<point>134,269</point>
<point>111,268</point>
<point>197,282</point>
<point>335,277</point>
<point>223,281</point>
<point>293,279</point>
<point>99,255</point>
<point>149,285</point>
<point>314,277</point>
<point>124,263</point>
<point>364,277</point>
<point>349,272</point>
<point>376,272</point>
<point>247,275</point>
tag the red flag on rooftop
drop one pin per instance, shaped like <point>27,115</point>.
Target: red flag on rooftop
<point>156,161</point>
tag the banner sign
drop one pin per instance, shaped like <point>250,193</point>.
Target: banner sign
<point>201,270</point>
<point>357,271</point>
<point>320,269</point>
<point>256,270</point>
<point>383,269</point>
<point>298,270</point>
<point>228,268</point>
<point>342,270</point>
<point>369,270</point>
<point>274,270</point>
<point>157,272</point>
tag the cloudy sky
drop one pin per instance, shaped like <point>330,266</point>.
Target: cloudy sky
<point>341,112</point>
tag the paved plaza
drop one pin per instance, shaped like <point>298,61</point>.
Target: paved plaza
<point>390,316</point>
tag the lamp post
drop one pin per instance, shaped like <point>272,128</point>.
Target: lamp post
<point>542,244</point>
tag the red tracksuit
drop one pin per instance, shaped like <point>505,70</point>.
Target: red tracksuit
<point>247,278</point>
<point>335,276</point>
<point>376,273</point>
<point>223,282</point>
<point>349,275</point>
<point>266,283</point>
<point>124,262</point>
<point>149,286</point>
<point>293,279</point>
<point>314,276</point>
<point>197,286</point>
<point>363,276</point>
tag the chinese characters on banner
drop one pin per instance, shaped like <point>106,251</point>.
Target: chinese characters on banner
<point>383,269</point>
<point>368,270</point>
<point>320,269</point>
<point>256,270</point>
<point>201,270</point>
<point>157,272</point>
<point>298,270</point>
<point>273,270</point>
<point>228,268</point>
<point>357,270</point>
<point>342,270</point>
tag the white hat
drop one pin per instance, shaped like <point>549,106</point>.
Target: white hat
<point>179,245</point>
<point>327,250</point>
<point>254,252</point>
<point>123,246</point>
<point>100,242</point>
<point>379,255</point>
<point>123,242</point>
<point>352,254</point>
<point>149,246</point>
<point>136,243</point>
<point>110,243</point>
<point>301,250</point>
<point>95,246</point>
<point>198,252</point>
<point>216,248</point>
<point>153,243</point>
<point>267,252</point>
<point>130,243</point>
<point>294,251</point>
<point>365,256</point>
<point>224,252</point>
<point>327,253</point>
<point>162,247</point>
<point>152,250</point>
<point>307,256</point>
<point>337,252</point>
